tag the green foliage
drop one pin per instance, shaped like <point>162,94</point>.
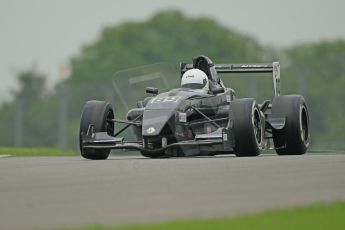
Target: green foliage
<point>31,86</point>
<point>37,112</point>
<point>28,152</point>
<point>7,124</point>
<point>168,36</point>
<point>331,216</point>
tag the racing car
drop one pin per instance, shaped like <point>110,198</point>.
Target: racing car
<point>188,122</point>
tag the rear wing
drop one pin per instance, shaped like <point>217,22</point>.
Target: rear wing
<point>273,68</point>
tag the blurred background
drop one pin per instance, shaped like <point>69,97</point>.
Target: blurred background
<point>56,55</point>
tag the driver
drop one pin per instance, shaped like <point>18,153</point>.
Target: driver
<point>195,79</point>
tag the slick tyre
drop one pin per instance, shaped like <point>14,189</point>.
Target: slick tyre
<point>248,127</point>
<point>293,139</point>
<point>96,113</point>
<point>153,154</point>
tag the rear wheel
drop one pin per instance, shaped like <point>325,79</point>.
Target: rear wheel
<point>98,114</point>
<point>248,127</point>
<point>293,139</point>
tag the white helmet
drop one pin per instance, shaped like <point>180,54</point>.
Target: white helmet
<point>195,79</point>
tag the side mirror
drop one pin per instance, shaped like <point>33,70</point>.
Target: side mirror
<point>217,90</point>
<point>152,90</point>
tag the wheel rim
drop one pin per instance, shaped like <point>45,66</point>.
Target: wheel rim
<point>109,124</point>
<point>257,127</point>
<point>304,130</point>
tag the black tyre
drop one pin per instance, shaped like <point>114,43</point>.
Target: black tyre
<point>153,155</point>
<point>96,113</point>
<point>248,127</point>
<point>293,139</point>
<point>156,154</point>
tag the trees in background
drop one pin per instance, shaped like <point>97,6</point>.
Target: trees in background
<point>28,119</point>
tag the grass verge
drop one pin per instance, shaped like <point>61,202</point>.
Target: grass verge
<point>315,217</point>
<point>36,152</point>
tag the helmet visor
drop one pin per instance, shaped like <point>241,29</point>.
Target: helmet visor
<point>195,85</point>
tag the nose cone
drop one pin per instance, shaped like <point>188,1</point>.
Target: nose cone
<point>155,120</point>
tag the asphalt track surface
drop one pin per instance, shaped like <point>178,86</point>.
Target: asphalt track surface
<point>51,192</point>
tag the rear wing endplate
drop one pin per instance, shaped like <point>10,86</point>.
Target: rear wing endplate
<point>273,68</point>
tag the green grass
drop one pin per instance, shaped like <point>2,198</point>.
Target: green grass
<point>315,217</point>
<point>35,152</point>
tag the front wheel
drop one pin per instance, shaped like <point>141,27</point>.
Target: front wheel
<point>154,154</point>
<point>293,139</point>
<point>98,114</point>
<point>248,127</point>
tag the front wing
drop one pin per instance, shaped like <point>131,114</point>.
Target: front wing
<point>219,140</point>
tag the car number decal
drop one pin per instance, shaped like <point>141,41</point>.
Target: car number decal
<point>165,99</point>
